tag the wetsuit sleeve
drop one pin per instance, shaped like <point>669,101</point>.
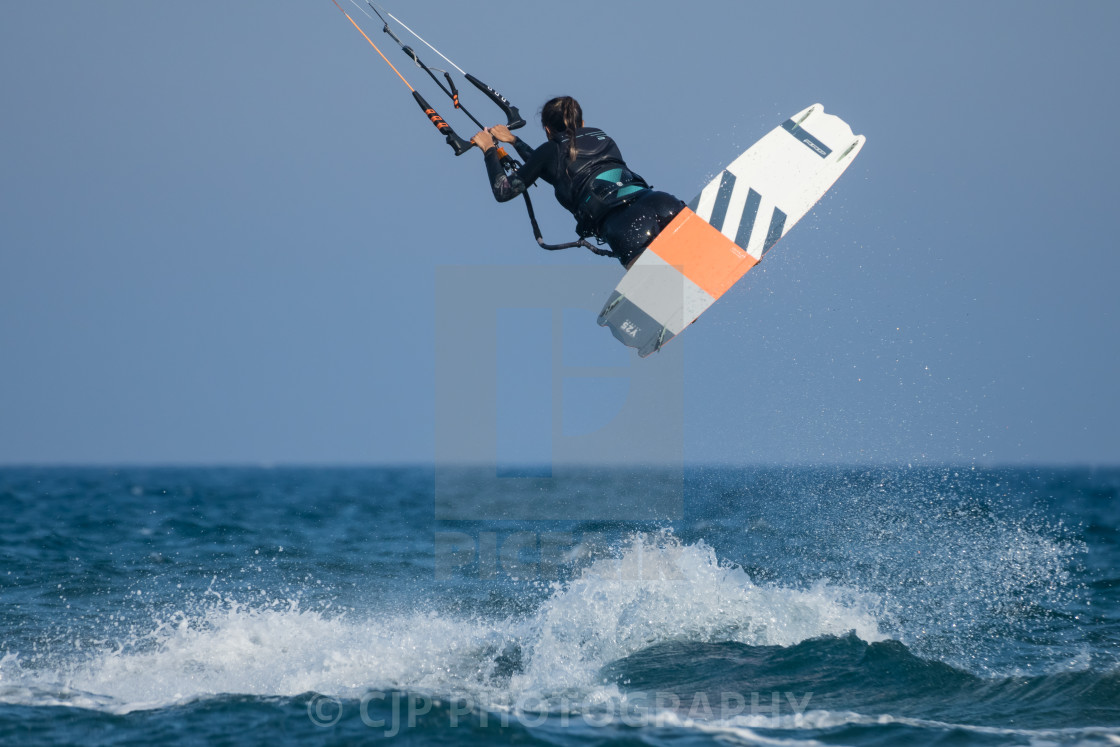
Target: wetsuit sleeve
<point>523,148</point>
<point>507,186</point>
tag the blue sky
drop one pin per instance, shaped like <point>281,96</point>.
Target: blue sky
<point>221,226</point>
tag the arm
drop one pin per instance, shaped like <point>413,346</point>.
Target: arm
<point>523,149</point>
<point>502,133</point>
<point>507,186</point>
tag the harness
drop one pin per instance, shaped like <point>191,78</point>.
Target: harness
<point>606,192</point>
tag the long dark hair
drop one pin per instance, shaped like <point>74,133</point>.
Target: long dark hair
<point>563,115</point>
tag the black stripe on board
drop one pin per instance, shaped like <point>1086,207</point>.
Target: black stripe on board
<point>723,197</point>
<point>777,224</point>
<point>750,214</point>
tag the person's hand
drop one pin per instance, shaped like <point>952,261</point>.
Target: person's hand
<point>484,140</point>
<point>501,132</point>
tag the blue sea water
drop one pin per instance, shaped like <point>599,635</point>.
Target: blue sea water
<point>766,606</point>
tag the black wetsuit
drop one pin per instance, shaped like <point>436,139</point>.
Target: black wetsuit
<point>608,200</point>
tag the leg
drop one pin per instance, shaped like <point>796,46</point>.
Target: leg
<point>630,230</point>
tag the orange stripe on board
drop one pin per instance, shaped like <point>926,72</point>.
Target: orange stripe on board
<point>702,254</point>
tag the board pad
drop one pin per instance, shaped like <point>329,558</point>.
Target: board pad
<point>729,227</point>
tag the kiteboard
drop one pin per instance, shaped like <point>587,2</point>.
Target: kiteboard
<point>728,228</point>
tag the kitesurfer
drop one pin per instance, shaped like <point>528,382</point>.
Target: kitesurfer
<point>591,180</point>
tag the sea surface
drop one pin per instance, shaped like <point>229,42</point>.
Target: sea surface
<point>847,606</point>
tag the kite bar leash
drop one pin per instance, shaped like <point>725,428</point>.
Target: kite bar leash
<point>450,89</point>
<point>513,116</point>
<point>460,146</point>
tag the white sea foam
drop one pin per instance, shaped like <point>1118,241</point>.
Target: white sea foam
<point>656,589</point>
<point>661,590</point>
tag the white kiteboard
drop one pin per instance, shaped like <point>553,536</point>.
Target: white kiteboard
<point>729,227</point>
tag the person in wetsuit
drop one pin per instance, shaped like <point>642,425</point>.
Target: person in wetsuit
<point>591,180</point>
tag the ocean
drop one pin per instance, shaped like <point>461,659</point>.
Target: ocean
<point>849,606</point>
